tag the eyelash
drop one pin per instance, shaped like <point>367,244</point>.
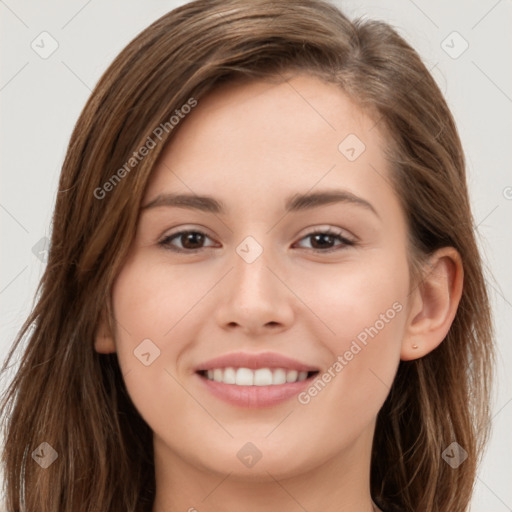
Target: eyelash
<point>166,242</point>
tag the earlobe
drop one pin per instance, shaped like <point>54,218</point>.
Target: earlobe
<point>104,338</point>
<point>435,302</point>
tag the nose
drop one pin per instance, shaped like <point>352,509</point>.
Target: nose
<point>254,298</point>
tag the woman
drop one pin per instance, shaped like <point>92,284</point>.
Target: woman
<point>263,289</point>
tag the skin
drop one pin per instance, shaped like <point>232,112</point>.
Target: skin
<point>251,146</point>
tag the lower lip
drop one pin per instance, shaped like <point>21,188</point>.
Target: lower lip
<point>255,397</point>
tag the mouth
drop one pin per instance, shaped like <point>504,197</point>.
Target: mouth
<point>256,377</point>
<point>254,380</point>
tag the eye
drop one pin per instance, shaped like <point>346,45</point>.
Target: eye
<point>322,240</point>
<point>190,240</point>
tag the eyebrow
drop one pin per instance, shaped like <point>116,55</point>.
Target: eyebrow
<point>295,203</point>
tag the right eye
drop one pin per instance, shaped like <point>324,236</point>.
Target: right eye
<point>191,241</point>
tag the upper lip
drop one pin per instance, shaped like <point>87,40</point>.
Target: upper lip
<point>254,361</point>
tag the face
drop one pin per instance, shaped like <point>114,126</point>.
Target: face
<point>256,315</point>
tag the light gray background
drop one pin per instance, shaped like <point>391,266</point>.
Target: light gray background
<point>42,98</point>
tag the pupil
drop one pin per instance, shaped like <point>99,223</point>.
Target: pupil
<point>325,239</point>
<point>192,237</point>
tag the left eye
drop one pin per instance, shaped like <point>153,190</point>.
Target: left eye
<point>191,241</point>
<point>324,238</point>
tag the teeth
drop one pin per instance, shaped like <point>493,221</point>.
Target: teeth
<point>244,377</point>
<point>229,376</point>
<point>291,376</point>
<point>259,377</point>
<point>279,376</point>
<point>262,377</point>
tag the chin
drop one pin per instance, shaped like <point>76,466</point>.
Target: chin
<point>260,462</point>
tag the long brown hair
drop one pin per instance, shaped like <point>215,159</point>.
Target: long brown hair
<point>73,398</point>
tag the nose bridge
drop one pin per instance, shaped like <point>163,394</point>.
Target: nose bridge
<point>254,296</point>
<point>251,273</point>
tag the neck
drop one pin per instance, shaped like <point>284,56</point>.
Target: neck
<point>339,484</point>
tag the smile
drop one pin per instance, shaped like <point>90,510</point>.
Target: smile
<point>256,377</point>
<point>254,380</point>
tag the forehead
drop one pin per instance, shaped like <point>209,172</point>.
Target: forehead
<point>272,135</point>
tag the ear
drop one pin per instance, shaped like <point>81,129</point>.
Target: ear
<point>104,338</point>
<point>434,303</point>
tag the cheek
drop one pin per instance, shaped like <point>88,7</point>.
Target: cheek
<point>363,293</point>
<point>152,298</point>
<point>147,306</point>
<point>364,306</point>
<point>148,309</point>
